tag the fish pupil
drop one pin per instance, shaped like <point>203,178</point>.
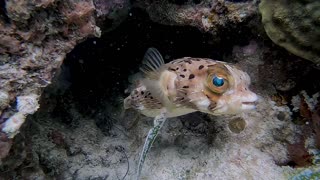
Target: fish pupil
<point>217,81</point>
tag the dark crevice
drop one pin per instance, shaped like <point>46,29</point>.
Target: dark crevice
<point>235,1</point>
<point>3,11</point>
<point>179,2</point>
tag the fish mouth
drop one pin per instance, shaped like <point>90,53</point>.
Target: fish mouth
<point>250,103</point>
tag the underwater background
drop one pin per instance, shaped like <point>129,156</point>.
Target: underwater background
<point>66,66</point>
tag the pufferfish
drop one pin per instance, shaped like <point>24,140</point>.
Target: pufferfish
<point>184,86</point>
<point>187,85</point>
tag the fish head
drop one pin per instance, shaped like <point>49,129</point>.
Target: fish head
<point>220,88</point>
<point>228,87</point>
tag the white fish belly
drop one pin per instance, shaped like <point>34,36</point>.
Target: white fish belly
<point>174,113</point>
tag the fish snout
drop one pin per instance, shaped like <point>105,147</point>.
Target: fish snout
<point>237,103</point>
<point>249,101</point>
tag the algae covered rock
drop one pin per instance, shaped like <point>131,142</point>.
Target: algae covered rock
<point>35,37</point>
<point>294,25</point>
<point>206,15</point>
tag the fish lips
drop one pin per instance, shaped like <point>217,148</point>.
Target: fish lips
<point>249,105</point>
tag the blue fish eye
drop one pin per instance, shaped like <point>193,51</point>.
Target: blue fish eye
<point>218,81</point>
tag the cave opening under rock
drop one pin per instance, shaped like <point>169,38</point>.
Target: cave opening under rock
<point>96,72</point>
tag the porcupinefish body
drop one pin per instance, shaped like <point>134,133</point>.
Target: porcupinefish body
<point>184,86</point>
<point>189,84</point>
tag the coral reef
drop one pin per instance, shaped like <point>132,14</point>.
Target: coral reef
<point>310,173</point>
<point>207,15</point>
<point>35,37</point>
<point>293,25</point>
<point>307,110</point>
<point>75,129</point>
<point>67,143</point>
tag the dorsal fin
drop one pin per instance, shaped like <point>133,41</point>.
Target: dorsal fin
<point>151,63</point>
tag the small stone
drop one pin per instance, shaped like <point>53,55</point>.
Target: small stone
<point>281,116</point>
<point>237,125</point>
<point>4,100</point>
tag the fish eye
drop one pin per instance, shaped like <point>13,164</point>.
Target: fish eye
<point>217,81</point>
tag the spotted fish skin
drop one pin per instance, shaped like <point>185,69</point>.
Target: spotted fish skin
<point>185,85</point>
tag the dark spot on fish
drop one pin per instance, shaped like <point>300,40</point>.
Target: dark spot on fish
<point>245,88</point>
<point>149,93</point>
<point>135,92</point>
<point>188,61</point>
<point>185,87</point>
<point>185,70</point>
<point>177,68</point>
<point>171,69</point>
<point>180,99</point>
<point>200,67</point>
<point>145,96</point>
<point>151,97</point>
<point>207,96</point>
<point>183,76</point>
<point>191,76</point>
<point>142,92</point>
<point>212,105</point>
<point>197,59</point>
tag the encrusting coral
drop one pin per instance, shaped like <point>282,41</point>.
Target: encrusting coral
<point>208,15</point>
<point>294,25</point>
<point>35,37</point>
